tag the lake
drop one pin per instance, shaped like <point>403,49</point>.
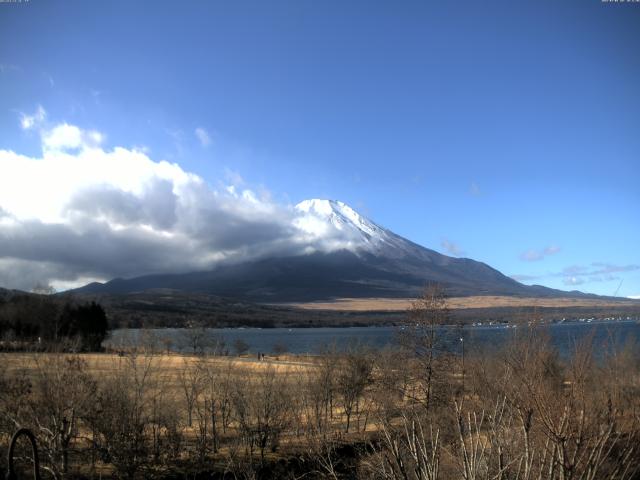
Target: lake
<point>312,340</point>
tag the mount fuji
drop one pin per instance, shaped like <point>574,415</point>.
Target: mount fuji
<point>339,254</point>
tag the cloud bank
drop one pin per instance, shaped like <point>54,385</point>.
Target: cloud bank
<point>82,212</point>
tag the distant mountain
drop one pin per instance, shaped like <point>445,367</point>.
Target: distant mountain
<point>6,294</point>
<point>348,256</point>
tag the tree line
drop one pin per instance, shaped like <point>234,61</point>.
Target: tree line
<point>28,320</point>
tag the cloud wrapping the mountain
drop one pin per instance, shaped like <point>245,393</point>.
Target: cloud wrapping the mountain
<point>82,212</point>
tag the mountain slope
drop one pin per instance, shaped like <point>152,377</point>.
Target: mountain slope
<point>348,256</point>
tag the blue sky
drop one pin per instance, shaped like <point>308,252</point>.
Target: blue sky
<point>508,132</point>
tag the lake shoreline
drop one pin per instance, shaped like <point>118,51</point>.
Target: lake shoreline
<point>305,340</point>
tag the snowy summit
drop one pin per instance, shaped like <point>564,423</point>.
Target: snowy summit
<point>335,225</point>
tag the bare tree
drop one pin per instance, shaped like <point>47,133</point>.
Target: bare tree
<point>352,377</point>
<point>216,397</point>
<point>190,379</point>
<point>409,448</point>
<point>240,346</point>
<point>195,338</point>
<point>63,390</point>
<point>552,419</point>
<point>168,427</point>
<point>120,415</point>
<point>422,338</point>
<point>263,409</point>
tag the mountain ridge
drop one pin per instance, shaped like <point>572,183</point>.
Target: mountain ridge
<point>357,258</point>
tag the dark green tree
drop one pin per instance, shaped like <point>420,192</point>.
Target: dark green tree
<point>87,322</point>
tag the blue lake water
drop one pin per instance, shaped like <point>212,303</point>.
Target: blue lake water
<point>564,336</point>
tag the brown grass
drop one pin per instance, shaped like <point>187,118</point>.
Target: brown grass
<point>103,364</point>
<point>454,303</point>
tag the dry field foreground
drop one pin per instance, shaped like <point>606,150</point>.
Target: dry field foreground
<point>455,303</point>
<point>187,390</point>
<point>170,366</point>
<point>356,415</point>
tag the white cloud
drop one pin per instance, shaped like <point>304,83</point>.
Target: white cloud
<point>551,250</point>
<point>81,211</point>
<point>573,281</point>
<point>606,268</point>
<point>533,255</point>
<point>634,297</point>
<point>27,122</point>
<point>579,274</point>
<point>203,136</point>
<point>62,137</point>
<point>452,248</point>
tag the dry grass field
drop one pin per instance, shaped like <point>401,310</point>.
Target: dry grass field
<point>186,391</point>
<point>170,366</point>
<point>454,303</point>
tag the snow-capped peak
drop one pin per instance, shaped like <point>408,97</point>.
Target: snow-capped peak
<point>335,225</point>
<point>339,215</point>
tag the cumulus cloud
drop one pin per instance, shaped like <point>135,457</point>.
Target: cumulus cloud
<point>452,248</point>
<point>82,212</point>
<point>63,137</point>
<point>203,136</point>
<point>533,255</point>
